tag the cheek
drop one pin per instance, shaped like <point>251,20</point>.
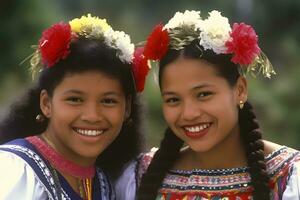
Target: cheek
<point>116,115</point>
<point>227,113</point>
<point>62,113</point>
<point>170,114</point>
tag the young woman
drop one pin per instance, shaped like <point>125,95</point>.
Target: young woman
<point>77,120</point>
<point>202,63</point>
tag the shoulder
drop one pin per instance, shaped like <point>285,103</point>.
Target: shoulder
<point>144,161</point>
<point>127,184</point>
<point>16,173</point>
<point>292,189</point>
<point>279,158</point>
<point>270,147</point>
<point>282,160</point>
<point>283,167</point>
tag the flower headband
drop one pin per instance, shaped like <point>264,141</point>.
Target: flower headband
<point>213,33</point>
<point>54,45</point>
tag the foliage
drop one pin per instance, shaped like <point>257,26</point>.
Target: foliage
<point>276,22</point>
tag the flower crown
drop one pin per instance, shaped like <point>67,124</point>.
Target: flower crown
<point>54,45</point>
<point>213,33</point>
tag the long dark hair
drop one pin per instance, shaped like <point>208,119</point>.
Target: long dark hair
<point>249,129</point>
<point>85,55</point>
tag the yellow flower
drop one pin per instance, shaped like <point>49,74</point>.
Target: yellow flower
<point>88,23</point>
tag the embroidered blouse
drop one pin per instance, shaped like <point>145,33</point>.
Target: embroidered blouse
<point>25,174</point>
<point>283,166</point>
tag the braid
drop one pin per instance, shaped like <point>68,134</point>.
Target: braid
<point>252,139</point>
<point>163,160</point>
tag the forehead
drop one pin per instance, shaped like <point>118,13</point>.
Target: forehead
<point>90,81</point>
<point>189,71</point>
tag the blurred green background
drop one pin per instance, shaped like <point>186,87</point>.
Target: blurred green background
<point>277,23</point>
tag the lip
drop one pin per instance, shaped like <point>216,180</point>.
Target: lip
<point>197,134</point>
<point>89,139</point>
<point>89,134</point>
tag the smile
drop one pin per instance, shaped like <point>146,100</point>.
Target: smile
<point>88,132</point>
<point>195,129</point>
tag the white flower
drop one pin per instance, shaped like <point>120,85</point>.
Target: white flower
<point>188,18</point>
<point>120,41</point>
<point>214,32</point>
<point>96,32</point>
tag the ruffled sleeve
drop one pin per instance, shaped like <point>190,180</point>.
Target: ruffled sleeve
<point>17,179</point>
<point>292,191</point>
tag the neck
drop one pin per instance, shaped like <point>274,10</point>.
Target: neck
<point>66,152</point>
<point>230,153</point>
<point>59,161</point>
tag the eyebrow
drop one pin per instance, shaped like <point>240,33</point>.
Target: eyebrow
<point>197,87</point>
<point>74,91</point>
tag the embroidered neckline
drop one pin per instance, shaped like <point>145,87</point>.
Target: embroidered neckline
<point>59,162</point>
<point>227,171</point>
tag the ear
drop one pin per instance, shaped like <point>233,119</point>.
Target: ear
<point>241,90</point>
<point>45,103</point>
<point>128,107</point>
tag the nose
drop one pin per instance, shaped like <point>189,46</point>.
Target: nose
<point>91,113</point>
<point>190,111</point>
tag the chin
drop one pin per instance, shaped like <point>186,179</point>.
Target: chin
<point>200,148</point>
<point>91,153</point>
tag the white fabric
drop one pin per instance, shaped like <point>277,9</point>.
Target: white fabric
<point>292,191</point>
<point>125,186</point>
<point>18,180</point>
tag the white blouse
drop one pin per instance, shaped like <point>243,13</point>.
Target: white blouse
<point>18,180</point>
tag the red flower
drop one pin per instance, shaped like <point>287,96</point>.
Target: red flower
<point>55,43</point>
<point>157,43</point>
<point>140,68</point>
<point>243,44</point>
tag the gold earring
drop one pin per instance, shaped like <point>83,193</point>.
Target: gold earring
<point>241,104</point>
<point>40,118</point>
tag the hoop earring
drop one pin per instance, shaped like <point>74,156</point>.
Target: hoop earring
<point>40,118</point>
<point>241,105</point>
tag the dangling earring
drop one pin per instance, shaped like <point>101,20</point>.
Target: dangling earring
<point>241,104</point>
<point>40,118</point>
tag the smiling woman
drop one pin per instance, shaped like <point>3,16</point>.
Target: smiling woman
<point>81,114</point>
<point>202,68</point>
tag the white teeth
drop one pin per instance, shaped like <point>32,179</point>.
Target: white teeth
<point>89,132</point>
<point>197,128</point>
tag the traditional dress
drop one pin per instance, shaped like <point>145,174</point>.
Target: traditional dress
<point>25,174</point>
<point>283,166</point>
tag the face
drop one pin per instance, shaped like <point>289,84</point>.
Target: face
<point>199,105</point>
<point>86,113</point>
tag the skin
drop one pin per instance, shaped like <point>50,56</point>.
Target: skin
<point>195,95</point>
<point>88,101</point>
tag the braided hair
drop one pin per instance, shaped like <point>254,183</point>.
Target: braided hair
<point>252,140</point>
<point>249,128</point>
<point>161,162</point>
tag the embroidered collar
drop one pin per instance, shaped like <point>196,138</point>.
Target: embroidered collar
<point>59,162</point>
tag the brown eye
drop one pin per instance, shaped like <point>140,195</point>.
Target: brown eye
<point>202,95</point>
<point>109,101</point>
<point>74,100</point>
<point>172,101</point>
